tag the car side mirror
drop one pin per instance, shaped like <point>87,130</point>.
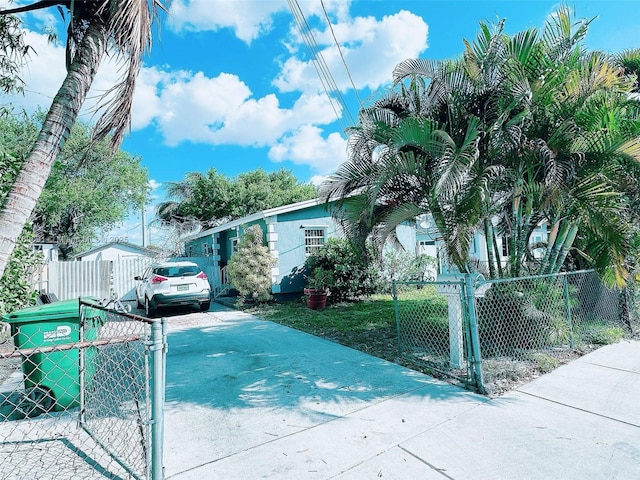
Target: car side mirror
<point>137,277</point>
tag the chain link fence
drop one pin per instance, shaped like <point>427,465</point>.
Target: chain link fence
<point>494,334</point>
<point>81,394</point>
<point>433,330</point>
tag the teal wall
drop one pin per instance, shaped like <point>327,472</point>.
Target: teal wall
<point>290,244</point>
<point>285,234</point>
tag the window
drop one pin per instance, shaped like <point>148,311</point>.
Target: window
<point>313,240</point>
<point>207,249</point>
<point>234,244</point>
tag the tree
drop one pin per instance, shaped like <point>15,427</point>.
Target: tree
<point>95,28</point>
<point>518,131</point>
<point>213,198</point>
<point>90,188</point>
<point>249,268</point>
<point>198,197</point>
<point>339,267</point>
<point>13,52</point>
<point>16,289</point>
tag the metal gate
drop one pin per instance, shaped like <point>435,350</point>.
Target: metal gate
<point>83,400</point>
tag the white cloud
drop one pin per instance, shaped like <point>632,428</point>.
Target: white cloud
<point>192,107</point>
<point>43,73</point>
<point>154,184</point>
<point>154,194</point>
<point>306,145</point>
<point>248,19</point>
<point>219,111</point>
<point>371,48</point>
<point>318,180</point>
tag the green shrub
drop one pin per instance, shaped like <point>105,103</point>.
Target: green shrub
<point>603,334</point>
<point>509,320</point>
<point>397,265</point>
<point>346,272</point>
<point>249,268</point>
<point>15,287</point>
<point>546,363</point>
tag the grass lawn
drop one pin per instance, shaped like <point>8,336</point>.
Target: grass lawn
<point>368,326</point>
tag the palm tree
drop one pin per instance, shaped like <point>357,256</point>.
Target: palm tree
<point>95,28</point>
<point>524,130</point>
<point>169,212</point>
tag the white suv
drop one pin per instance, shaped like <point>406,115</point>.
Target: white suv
<point>172,283</point>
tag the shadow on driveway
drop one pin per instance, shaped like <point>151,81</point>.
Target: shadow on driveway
<point>254,363</point>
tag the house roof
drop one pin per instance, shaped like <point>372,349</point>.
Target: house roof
<point>270,212</point>
<point>130,246</point>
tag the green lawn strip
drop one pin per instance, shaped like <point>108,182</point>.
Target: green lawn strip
<point>368,325</point>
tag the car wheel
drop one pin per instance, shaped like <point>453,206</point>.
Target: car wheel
<point>205,306</point>
<point>149,310</point>
<point>138,303</point>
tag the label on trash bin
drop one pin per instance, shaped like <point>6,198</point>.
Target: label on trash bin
<point>61,332</point>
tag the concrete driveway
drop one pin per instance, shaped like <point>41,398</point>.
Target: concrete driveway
<point>250,399</point>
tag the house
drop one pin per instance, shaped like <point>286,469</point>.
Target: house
<point>292,233</point>
<point>116,250</point>
<point>49,251</point>
<point>429,242</point>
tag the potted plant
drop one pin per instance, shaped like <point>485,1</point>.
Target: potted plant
<point>317,290</point>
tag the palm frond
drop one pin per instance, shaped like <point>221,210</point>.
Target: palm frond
<point>129,29</point>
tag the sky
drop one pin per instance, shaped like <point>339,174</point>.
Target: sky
<point>230,84</point>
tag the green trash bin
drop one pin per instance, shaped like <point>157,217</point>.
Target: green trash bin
<point>51,369</point>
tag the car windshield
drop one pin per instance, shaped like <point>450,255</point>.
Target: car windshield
<point>177,271</point>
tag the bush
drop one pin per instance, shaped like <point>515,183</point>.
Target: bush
<point>249,268</point>
<point>346,272</point>
<point>15,287</point>
<point>396,265</point>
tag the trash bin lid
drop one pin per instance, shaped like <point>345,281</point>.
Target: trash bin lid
<point>48,311</point>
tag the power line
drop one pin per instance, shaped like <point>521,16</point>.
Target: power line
<point>344,62</point>
<point>324,74</point>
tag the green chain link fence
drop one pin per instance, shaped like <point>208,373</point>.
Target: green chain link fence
<point>81,396</point>
<point>493,334</point>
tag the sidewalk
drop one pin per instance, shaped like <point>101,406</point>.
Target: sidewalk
<point>250,399</point>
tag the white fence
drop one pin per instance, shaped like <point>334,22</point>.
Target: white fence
<point>100,278</point>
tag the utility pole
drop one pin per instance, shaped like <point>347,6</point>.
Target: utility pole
<point>144,227</point>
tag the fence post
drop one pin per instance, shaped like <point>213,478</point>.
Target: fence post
<point>568,306</point>
<point>158,348</point>
<point>476,359</point>
<point>396,308</point>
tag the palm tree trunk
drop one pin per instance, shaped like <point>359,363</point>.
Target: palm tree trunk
<point>553,234</point>
<point>558,246</point>
<point>488,237</point>
<point>497,254</point>
<point>55,130</point>
<point>566,246</point>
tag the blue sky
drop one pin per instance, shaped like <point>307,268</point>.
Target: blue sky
<point>229,83</point>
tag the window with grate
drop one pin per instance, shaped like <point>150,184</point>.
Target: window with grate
<point>313,240</point>
<point>234,241</point>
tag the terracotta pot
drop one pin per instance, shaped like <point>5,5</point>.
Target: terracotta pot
<point>316,298</point>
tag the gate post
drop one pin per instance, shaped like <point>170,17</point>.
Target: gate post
<point>158,349</point>
<point>451,286</point>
